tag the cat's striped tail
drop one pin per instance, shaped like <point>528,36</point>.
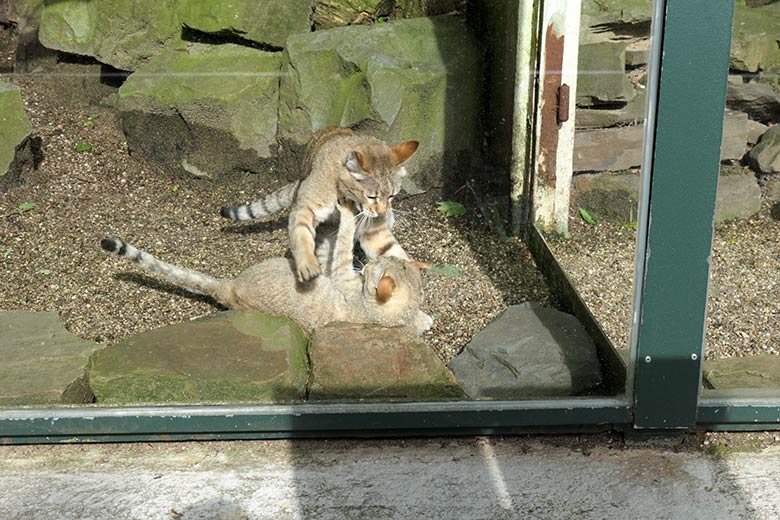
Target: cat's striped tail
<point>193,281</point>
<point>268,205</point>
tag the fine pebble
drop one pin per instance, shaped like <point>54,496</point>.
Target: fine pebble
<point>51,258</point>
<point>743,308</point>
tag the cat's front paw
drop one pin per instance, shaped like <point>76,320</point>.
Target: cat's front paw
<point>308,270</point>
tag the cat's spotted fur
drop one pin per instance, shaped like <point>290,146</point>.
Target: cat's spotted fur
<point>339,164</point>
<point>388,292</point>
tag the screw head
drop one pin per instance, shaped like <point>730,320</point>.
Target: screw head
<point>648,359</point>
<point>694,357</point>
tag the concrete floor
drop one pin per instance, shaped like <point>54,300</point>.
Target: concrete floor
<point>468,478</point>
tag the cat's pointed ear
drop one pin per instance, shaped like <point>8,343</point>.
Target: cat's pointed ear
<point>402,152</point>
<point>385,288</point>
<point>354,164</point>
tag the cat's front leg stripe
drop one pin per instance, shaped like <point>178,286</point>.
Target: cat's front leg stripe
<point>385,248</point>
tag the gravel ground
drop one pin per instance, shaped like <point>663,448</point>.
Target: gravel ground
<point>51,260</point>
<point>743,306</point>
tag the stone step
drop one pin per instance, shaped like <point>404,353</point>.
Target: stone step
<point>620,148</point>
<point>43,363</point>
<point>368,362</point>
<point>240,356</point>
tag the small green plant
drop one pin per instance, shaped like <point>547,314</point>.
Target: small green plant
<point>587,217</point>
<point>27,206</point>
<point>381,19</point>
<point>629,225</point>
<point>45,272</point>
<point>451,209</point>
<point>81,146</point>
<point>175,188</point>
<point>8,252</point>
<point>91,120</point>
<point>446,270</point>
<point>732,241</point>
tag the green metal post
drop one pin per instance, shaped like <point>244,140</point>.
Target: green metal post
<point>688,113</point>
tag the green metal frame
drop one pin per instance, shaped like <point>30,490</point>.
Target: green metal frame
<point>685,158</point>
<point>682,141</point>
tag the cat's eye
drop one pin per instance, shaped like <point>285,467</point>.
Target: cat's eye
<point>373,197</point>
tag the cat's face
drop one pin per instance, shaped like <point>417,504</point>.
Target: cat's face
<point>393,283</point>
<point>377,172</point>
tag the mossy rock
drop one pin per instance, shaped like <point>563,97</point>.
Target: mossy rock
<point>15,130</point>
<point>121,33</point>
<point>230,357</point>
<point>204,109</point>
<point>267,22</point>
<point>411,79</point>
<point>754,39</point>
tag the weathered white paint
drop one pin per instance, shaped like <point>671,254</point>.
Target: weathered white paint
<point>551,203</point>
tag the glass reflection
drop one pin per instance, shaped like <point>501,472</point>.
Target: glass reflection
<point>743,306</point>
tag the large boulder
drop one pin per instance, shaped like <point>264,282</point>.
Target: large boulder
<point>207,109</point>
<point>230,357</point>
<point>528,351</point>
<point>411,79</point>
<point>360,362</point>
<point>754,40</point>
<point>15,133</point>
<point>266,22</point>
<point>121,33</point>
<point>43,363</point>
<point>765,156</point>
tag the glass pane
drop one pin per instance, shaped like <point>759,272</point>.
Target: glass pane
<point>595,238</point>
<point>164,129</point>
<point>743,307</point>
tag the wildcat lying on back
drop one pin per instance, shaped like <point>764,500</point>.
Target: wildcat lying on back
<point>389,292</point>
<point>338,164</point>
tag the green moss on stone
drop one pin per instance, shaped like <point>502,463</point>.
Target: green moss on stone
<point>264,21</point>
<point>235,356</point>
<point>14,125</point>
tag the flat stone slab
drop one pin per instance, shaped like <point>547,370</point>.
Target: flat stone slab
<point>366,362</point>
<point>748,372</point>
<point>620,148</point>
<point>42,363</point>
<point>614,196</point>
<point>528,351</point>
<point>229,357</point>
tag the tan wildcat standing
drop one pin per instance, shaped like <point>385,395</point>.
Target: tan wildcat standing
<point>339,164</point>
<point>389,291</point>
